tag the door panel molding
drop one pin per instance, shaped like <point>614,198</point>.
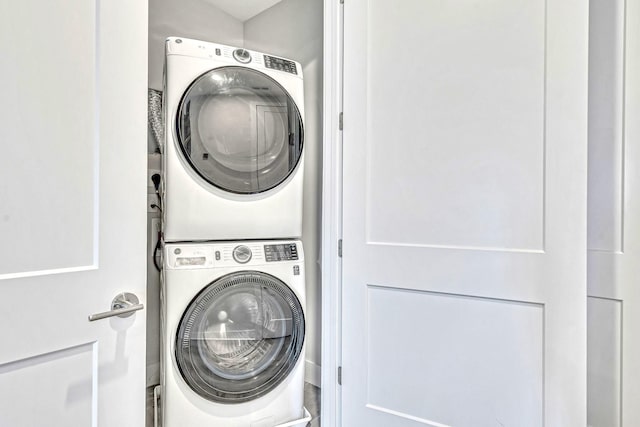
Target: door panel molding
<point>537,255</point>
<point>614,209</point>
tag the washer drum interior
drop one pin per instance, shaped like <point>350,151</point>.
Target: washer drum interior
<point>240,337</point>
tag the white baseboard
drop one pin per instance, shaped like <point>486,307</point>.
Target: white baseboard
<point>312,373</point>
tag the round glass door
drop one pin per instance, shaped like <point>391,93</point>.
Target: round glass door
<point>240,337</point>
<point>239,130</point>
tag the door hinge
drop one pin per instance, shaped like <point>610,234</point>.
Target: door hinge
<point>340,248</point>
<point>341,1</point>
<point>340,121</point>
<point>339,375</point>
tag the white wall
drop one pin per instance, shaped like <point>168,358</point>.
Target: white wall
<point>194,19</point>
<point>293,29</point>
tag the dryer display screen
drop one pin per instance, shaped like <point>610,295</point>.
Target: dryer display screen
<point>280,64</point>
<point>286,252</point>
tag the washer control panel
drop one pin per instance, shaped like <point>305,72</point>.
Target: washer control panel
<point>189,257</point>
<point>280,64</point>
<point>240,254</point>
<point>281,252</point>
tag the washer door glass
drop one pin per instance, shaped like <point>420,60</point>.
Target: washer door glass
<point>240,337</point>
<point>240,130</point>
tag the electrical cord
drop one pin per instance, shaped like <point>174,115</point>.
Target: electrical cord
<point>156,178</point>
<point>155,251</point>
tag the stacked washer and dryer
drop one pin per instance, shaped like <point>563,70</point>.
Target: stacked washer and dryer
<point>233,291</point>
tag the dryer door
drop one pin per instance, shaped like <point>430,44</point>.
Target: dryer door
<point>240,337</point>
<point>239,130</point>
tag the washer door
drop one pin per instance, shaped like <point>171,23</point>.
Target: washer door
<point>240,337</point>
<point>239,130</point>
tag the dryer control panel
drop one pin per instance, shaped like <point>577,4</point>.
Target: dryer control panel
<point>229,55</point>
<point>280,64</point>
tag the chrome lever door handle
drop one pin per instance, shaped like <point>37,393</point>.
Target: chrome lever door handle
<point>123,305</point>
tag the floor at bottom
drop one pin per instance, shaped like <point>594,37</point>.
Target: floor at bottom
<point>312,403</point>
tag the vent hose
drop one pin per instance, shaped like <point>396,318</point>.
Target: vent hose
<point>155,117</point>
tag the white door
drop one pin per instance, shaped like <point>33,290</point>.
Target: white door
<point>72,211</point>
<point>614,214</point>
<point>464,269</point>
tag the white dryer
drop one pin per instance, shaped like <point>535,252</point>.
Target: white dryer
<point>233,334</point>
<point>233,155</point>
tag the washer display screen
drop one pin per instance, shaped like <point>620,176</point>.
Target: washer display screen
<point>240,337</point>
<point>281,252</point>
<point>239,130</point>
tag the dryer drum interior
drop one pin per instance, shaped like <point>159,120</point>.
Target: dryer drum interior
<point>240,337</point>
<point>239,130</point>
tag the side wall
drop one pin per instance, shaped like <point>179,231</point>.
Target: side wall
<point>187,18</point>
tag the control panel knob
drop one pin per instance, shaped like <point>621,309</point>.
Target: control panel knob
<point>242,55</point>
<point>242,254</point>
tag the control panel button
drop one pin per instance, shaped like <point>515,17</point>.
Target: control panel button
<point>242,254</point>
<point>242,55</point>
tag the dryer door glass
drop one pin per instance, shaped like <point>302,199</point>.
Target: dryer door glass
<point>239,130</point>
<point>240,337</point>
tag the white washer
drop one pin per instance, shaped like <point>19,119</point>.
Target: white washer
<point>233,334</point>
<point>233,155</point>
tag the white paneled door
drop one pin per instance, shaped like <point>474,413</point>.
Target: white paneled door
<point>465,182</point>
<point>614,214</point>
<point>72,211</point>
